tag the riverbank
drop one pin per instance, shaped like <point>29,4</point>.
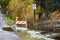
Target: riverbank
<point>27,36</point>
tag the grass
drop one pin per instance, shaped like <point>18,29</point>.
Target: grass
<point>36,38</point>
<point>8,20</point>
<point>26,36</point>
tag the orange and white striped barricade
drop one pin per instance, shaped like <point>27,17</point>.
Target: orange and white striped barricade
<point>21,22</point>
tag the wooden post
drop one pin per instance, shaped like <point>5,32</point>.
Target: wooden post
<point>26,25</point>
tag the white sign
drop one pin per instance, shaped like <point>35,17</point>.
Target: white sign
<point>34,6</point>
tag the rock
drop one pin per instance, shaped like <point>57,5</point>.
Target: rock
<point>43,32</point>
<point>55,35</point>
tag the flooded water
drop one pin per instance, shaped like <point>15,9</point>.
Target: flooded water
<point>36,34</point>
<point>5,35</point>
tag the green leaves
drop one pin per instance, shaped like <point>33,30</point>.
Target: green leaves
<point>3,3</point>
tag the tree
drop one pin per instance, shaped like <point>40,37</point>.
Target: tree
<point>4,3</point>
<point>56,5</point>
<point>21,9</point>
<point>40,6</point>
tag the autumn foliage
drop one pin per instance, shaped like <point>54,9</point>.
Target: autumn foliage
<point>55,15</point>
<point>21,9</point>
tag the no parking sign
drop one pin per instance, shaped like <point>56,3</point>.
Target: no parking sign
<point>34,6</point>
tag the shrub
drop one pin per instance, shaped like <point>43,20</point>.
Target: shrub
<point>36,26</point>
<point>8,20</point>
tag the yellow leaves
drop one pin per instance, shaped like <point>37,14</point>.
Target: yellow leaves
<point>17,18</point>
<point>36,17</point>
<point>55,15</point>
<point>29,15</point>
<point>29,7</point>
<point>13,4</point>
<point>38,9</point>
<point>22,9</point>
<point>43,16</point>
